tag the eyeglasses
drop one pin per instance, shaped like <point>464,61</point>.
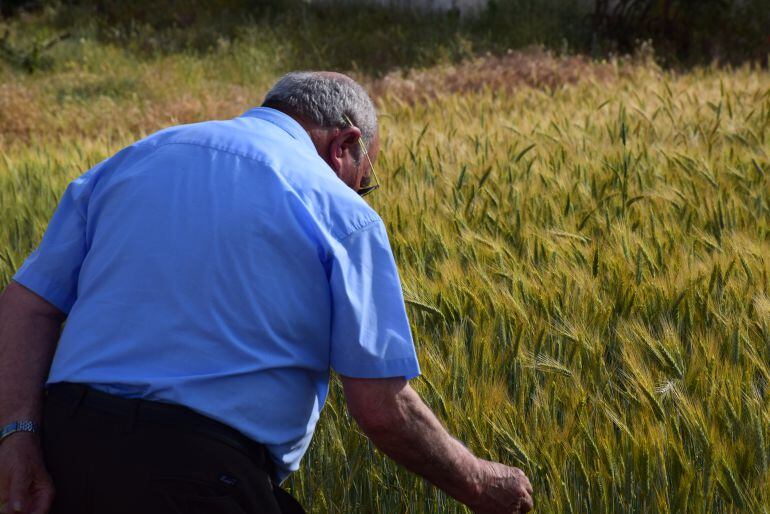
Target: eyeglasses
<point>370,182</point>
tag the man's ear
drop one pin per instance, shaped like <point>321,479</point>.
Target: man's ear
<point>342,146</point>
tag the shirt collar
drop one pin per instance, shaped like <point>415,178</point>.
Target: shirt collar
<point>282,121</point>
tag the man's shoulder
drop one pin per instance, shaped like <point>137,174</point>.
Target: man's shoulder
<point>304,175</point>
<point>350,214</point>
<point>236,136</point>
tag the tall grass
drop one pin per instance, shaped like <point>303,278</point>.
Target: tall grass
<point>588,275</point>
<point>585,267</point>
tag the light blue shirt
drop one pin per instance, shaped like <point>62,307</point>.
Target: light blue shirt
<point>225,267</point>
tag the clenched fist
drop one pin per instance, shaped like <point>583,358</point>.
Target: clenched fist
<point>25,485</point>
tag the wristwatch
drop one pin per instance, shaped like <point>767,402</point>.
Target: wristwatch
<point>18,426</point>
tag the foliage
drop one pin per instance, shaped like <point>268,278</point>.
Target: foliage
<point>591,266</point>
<point>586,262</point>
<point>375,39</point>
<point>688,30</point>
<point>28,59</point>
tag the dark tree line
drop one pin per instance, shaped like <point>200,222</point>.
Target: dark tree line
<point>681,31</point>
<point>711,29</point>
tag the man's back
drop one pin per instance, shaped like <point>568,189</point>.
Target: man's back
<point>216,274</point>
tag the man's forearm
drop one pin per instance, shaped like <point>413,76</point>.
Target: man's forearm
<point>409,433</point>
<point>29,331</point>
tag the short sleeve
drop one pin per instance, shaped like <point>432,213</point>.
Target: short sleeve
<point>370,335</point>
<point>52,270</point>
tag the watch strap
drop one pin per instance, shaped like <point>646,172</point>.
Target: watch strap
<point>18,426</point>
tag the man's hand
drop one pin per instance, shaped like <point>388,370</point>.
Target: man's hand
<point>25,485</point>
<point>397,421</point>
<point>503,490</point>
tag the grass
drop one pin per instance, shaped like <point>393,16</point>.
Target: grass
<point>585,260</point>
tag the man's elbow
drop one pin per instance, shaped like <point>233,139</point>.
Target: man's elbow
<point>21,301</point>
<point>375,422</point>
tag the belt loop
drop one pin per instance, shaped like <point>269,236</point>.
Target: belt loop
<point>80,393</point>
<point>134,410</point>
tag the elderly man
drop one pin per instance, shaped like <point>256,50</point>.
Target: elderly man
<point>210,276</point>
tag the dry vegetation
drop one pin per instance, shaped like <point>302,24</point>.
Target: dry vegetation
<point>76,101</point>
<point>534,68</point>
<point>584,249</point>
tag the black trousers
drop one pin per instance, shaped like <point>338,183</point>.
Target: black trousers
<point>110,455</point>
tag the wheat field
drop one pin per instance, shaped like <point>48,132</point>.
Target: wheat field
<point>585,263</point>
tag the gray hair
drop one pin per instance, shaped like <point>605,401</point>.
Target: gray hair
<point>326,99</point>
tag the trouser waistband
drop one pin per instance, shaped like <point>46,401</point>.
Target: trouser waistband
<point>176,417</point>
